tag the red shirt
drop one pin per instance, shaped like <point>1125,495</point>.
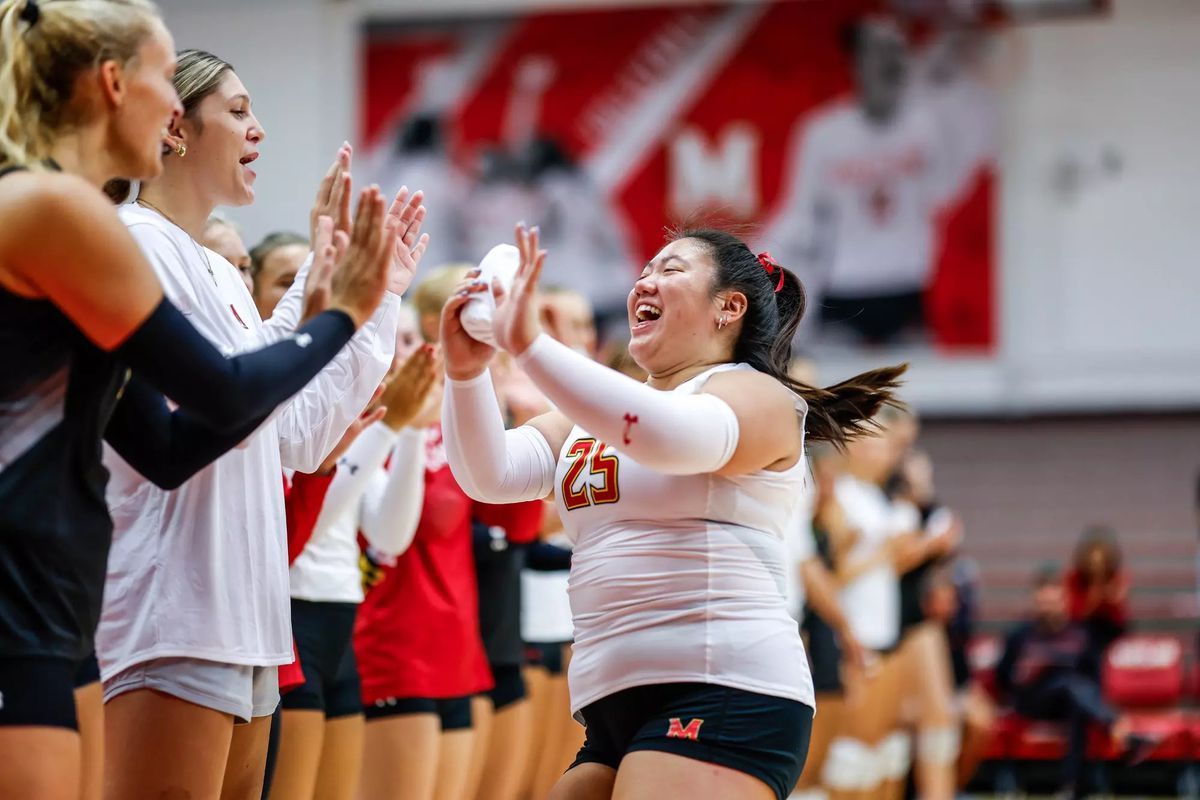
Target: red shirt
<point>521,521</point>
<point>417,633</point>
<point>1107,610</point>
<point>302,501</point>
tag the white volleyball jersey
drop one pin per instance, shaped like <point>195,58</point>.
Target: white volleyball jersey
<point>201,571</point>
<point>871,602</point>
<point>679,578</point>
<point>863,196</point>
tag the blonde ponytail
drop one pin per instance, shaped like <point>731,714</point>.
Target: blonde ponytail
<point>40,60</point>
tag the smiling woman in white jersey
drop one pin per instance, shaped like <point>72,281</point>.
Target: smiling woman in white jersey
<point>689,674</point>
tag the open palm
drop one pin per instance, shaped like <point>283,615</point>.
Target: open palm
<point>408,214</point>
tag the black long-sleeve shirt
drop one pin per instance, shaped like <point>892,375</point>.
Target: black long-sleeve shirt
<point>1034,655</point>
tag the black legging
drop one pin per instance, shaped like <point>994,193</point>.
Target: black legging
<point>1077,700</point>
<point>272,751</point>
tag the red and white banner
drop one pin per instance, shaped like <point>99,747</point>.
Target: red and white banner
<point>605,127</point>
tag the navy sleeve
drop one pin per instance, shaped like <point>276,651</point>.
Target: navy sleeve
<point>167,447</point>
<point>228,393</point>
<point>546,557</point>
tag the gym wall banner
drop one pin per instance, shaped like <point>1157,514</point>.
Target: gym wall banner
<point>857,148</point>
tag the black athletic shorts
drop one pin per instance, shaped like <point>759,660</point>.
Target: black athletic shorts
<point>547,655</point>
<point>324,633</point>
<point>763,736</point>
<point>88,672</point>
<point>453,712</point>
<point>509,688</point>
<point>824,654</point>
<point>38,691</point>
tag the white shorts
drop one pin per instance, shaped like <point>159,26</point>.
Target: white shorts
<point>242,691</point>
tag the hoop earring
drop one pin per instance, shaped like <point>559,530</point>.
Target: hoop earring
<point>723,322</point>
<point>181,150</point>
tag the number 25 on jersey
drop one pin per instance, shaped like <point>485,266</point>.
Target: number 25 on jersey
<point>588,454</point>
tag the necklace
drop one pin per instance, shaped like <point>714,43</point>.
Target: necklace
<point>199,250</point>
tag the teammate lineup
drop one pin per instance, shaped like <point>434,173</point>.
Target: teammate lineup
<point>267,529</point>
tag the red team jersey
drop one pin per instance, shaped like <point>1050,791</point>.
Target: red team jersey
<point>417,633</point>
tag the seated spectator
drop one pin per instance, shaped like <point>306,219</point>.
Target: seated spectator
<point>1098,588</point>
<point>1050,671</point>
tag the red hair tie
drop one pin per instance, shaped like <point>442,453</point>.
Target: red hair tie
<point>769,264</point>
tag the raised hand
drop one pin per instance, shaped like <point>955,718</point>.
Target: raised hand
<point>318,285</point>
<point>333,195</point>
<point>465,356</point>
<point>516,322</point>
<point>408,214</point>
<point>408,389</point>
<point>361,277</point>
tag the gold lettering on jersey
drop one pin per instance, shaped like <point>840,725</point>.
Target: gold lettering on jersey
<point>588,453</point>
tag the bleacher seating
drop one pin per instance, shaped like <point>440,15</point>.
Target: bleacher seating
<point>1147,676</point>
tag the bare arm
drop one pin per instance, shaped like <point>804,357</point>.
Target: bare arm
<point>62,240</point>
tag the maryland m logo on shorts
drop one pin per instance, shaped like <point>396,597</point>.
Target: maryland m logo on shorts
<point>676,730</point>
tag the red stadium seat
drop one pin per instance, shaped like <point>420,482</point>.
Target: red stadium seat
<point>1143,671</point>
<point>1144,675</point>
<point>1033,740</point>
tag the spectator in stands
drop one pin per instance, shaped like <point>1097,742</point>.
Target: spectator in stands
<point>1051,671</point>
<point>1098,588</point>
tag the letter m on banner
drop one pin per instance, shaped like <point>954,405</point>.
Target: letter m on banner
<point>723,174</point>
<point>676,730</point>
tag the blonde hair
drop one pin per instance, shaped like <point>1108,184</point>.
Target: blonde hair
<point>197,75</point>
<point>434,290</point>
<point>40,62</point>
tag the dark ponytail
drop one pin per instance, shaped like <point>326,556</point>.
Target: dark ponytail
<point>776,304</point>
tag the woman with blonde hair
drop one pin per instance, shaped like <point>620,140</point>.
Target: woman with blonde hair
<point>85,93</point>
<point>210,556</point>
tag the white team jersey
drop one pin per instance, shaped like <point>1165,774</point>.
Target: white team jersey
<point>383,504</point>
<point>800,547</point>
<point>871,602</point>
<point>863,197</point>
<point>679,578</point>
<point>201,571</point>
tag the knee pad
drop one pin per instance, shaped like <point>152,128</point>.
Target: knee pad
<point>850,766</point>
<point>939,745</point>
<point>894,754</point>
<point>809,794</point>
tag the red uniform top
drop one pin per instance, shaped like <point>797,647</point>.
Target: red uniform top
<point>521,521</point>
<point>302,501</point>
<point>1111,605</point>
<point>417,633</point>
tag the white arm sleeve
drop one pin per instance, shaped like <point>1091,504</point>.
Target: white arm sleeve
<point>667,432</point>
<point>389,517</point>
<point>354,470</point>
<point>313,421</point>
<point>492,465</point>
